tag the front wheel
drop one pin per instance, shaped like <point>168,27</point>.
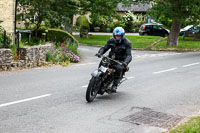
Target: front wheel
<point>92,89</point>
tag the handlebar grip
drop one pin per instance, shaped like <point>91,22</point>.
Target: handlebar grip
<point>98,55</point>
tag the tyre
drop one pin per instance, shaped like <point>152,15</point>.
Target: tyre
<point>165,35</point>
<point>92,89</point>
<point>145,34</point>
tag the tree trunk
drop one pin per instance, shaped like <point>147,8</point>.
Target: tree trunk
<point>174,33</point>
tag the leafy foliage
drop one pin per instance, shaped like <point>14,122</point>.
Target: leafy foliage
<point>8,39</point>
<point>180,10</point>
<point>102,12</point>
<point>128,20</point>
<point>58,36</point>
<point>175,14</point>
<point>99,7</point>
<point>83,23</point>
<point>63,54</point>
<point>54,13</point>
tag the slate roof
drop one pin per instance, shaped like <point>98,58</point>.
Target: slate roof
<point>136,8</point>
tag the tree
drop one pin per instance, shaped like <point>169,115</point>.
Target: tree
<point>174,13</point>
<point>178,11</point>
<point>53,13</point>
<point>62,12</point>
<point>102,11</point>
<point>34,12</point>
<point>99,7</point>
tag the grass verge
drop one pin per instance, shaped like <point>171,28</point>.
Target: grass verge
<point>192,126</point>
<point>138,42</point>
<point>144,42</point>
<point>185,44</point>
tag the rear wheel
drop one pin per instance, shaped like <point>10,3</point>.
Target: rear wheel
<point>165,35</point>
<point>145,34</point>
<point>92,89</point>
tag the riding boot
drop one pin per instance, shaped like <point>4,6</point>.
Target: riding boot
<point>114,86</point>
<point>117,75</point>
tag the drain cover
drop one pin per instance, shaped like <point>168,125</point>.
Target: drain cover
<point>153,118</point>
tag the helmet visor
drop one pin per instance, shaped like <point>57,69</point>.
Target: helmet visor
<point>118,37</point>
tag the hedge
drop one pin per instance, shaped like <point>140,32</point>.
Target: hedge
<point>57,35</point>
<point>82,21</point>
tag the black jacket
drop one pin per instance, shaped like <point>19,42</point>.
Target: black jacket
<point>120,51</point>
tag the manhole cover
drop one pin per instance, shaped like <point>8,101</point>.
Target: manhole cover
<point>153,118</point>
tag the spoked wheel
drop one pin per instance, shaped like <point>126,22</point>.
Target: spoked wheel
<point>92,89</point>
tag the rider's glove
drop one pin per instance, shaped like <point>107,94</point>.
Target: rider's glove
<point>98,55</point>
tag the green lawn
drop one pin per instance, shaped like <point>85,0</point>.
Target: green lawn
<point>137,41</point>
<point>192,126</point>
<point>184,44</point>
<point>141,42</point>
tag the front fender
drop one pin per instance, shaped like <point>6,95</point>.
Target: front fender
<point>96,73</point>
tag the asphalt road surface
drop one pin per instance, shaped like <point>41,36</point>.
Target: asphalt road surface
<point>162,90</point>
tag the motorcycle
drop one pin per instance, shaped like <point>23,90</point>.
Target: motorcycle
<point>102,78</point>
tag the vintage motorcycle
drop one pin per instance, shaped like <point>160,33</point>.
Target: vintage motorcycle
<point>102,78</point>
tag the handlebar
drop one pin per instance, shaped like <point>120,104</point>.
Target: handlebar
<point>100,56</point>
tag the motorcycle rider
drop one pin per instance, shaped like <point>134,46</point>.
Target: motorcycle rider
<point>120,50</point>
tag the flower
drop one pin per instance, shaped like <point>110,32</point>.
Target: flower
<point>58,51</point>
<point>73,57</point>
<point>62,44</point>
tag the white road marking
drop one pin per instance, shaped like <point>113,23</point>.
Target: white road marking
<point>24,100</point>
<point>191,64</point>
<point>85,86</point>
<point>153,55</point>
<point>165,71</point>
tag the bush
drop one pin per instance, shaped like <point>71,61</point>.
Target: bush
<point>118,24</point>
<point>83,24</point>
<point>58,36</point>
<point>63,54</point>
<point>128,21</point>
<point>8,39</point>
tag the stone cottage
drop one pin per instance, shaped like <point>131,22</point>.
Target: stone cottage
<point>7,15</point>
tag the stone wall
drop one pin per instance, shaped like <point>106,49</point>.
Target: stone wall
<point>29,57</point>
<point>5,59</point>
<point>7,14</point>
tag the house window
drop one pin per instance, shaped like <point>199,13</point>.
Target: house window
<point>22,17</point>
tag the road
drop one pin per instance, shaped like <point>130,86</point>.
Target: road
<point>162,90</point>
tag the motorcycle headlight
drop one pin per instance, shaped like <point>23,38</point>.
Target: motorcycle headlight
<point>105,60</point>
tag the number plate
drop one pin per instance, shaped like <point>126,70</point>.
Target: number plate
<point>103,69</point>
